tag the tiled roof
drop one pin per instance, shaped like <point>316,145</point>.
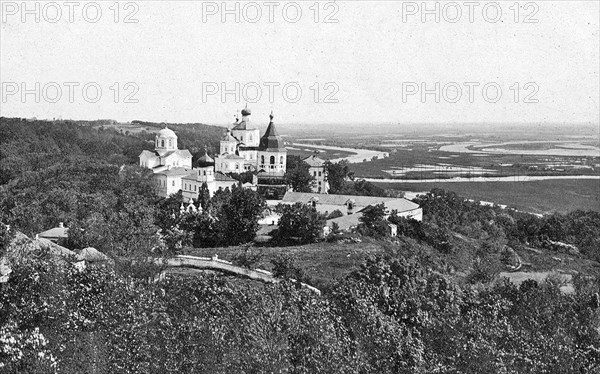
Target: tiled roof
<point>149,153</point>
<point>223,178</point>
<point>392,203</point>
<point>346,222</point>
<point>174,172</point>
<point>314,161</point>
<point>271,141</point>
<point>240,125</point>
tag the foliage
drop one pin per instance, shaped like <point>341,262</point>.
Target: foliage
<point>449,211</point>
<point>373,222</point>
<point>335,214</point>
<point>297,174</point>
<point>248,256</point>
<point>337,175</point>
<point>285,266</point>
<point>6,236</point>
<point>230,218</point>
<point>299,222</point>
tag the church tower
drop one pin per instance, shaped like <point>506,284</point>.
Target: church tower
<point>271,151</point>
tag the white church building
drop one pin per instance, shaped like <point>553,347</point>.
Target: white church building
<point>241,149</point>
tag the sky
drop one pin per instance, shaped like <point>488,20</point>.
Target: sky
<point>330,63</point>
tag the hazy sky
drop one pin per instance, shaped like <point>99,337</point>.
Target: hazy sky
<point>374,61</point>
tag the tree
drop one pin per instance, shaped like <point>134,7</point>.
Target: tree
<point>299,222</point>
<point>297,174</point>
<point>240,214</point>
<point>230,218</point>
<point>337,174</point>
<point>372,222</point>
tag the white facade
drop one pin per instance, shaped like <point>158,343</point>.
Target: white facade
<point>242,149</point>
<point>318,172</point>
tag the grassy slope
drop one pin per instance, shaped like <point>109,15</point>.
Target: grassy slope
<point>323,262</point>
<point>537,197</point>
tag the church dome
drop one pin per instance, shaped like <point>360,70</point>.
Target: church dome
<point>166,133</point>
<point>205,160</point>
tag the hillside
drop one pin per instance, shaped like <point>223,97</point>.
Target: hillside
<point>431,300</point>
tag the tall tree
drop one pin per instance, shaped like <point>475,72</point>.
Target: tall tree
<point>297,174</point>
<point>299,222</point>
<point>337,175</point>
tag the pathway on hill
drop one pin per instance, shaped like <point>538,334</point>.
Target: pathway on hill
<point>215,264</point>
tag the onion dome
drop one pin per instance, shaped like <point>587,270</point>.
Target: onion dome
<point>205,160</point>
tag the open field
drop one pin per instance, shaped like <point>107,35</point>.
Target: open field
<point>540,197</point>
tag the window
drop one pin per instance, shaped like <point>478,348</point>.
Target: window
<point>162,143</point>
<point>262,159</point>
<point>195,187</point>
<point>173,183</point>
<point>242,138</point>
<point>319,174</point>
<point>170,142</point>
<point>315,173</point>
<point>272,160</point>
<point>237,166</point>
<point>281,160</point>
<point>250,137</point>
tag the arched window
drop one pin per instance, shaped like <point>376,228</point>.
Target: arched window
<point>281,160</point>
<point>162,143</point>
<point>272,160</point>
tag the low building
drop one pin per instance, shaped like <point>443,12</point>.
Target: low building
<point>350,204</point>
